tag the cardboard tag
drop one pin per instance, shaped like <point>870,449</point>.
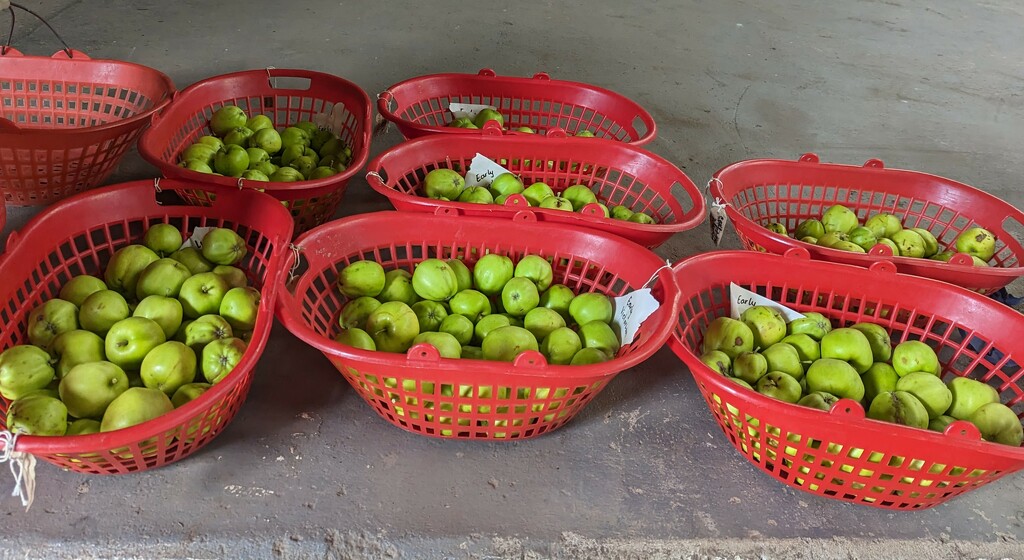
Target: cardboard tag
<point>196,239</point>
<point>742,299</point>
<point>482,171</point>
<point>718,219</point>
<point>468,110</point>
<point>333,121</point>
<point>631,310</point>
<point>380,125</point>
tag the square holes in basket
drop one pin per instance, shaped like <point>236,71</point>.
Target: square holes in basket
<point>59,104</point>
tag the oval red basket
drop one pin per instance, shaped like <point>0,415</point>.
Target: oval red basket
<point>67,120</point>
<point>419,105</point>
<point>841,454</point>
<point>757,192</point>
<point>618,173</point>
<point>287,97</point>
<point>469,399</point>
<point>77,236</point>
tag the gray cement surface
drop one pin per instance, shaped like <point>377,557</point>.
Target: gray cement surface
<point>307,470</point>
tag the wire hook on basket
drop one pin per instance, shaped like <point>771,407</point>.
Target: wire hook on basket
<point>10,36</point>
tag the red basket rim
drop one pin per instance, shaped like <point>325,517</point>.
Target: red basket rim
<point>125,436</point>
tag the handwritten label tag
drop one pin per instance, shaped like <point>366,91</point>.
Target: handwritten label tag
<point>467,110</point>
<point>742,299</point>
<point>334,120</point>
<point>631,310</point>
<point>482,171</point>
<point>717,221</point>
<point>196,239</point>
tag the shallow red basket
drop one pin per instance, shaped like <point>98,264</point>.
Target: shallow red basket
<point>469,399</point>
<point>419,106</point>
<point>618,173</point>
<point>758,192</point>
<point>78,236</point>
<point>67,120</point>
<point>841,454</point>
<point>287,97</point>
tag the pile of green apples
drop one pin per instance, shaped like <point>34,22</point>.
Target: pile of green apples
<point>162,326</point>
<point>807,362</point>
<point>449,185</point>
<point>488,115</point>
<point>493,309</point>
<point>840,229</point>
<point>251,148</point>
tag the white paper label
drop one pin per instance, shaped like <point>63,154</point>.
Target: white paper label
<point>718,221</point>
<point>482,171</point>
<point>742,299</point>
<point>467,110</point>
<point>196,239</point>
<point>333,121</point>
<point>631,310</point>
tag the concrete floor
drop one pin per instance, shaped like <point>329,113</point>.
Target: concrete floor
<point>308,471</point>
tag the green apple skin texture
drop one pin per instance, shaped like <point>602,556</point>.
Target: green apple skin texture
<point>766,323</point>
<point>729,335</point>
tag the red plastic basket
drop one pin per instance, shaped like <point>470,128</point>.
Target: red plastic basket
<point>841,454</point>
<point>67,120</point>
<point>78,236</point>
<point>419,106</point>
<point>618,173</point>
<point>757,192</point>
<point>469,399</point>
<point>286,96</point>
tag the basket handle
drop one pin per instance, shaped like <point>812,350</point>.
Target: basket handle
<point>874,163</point>
<point>882,250</point>
<point>487,73</point>
<point>423,353</point>
<point>883,267</point>
<point>517,200</point>
<point>525,216</point>
<point>962,429</point>
<point>798,253</point>
<point>492,128</point>
<point>10,36</point>
<point>809,158</point>
<point>962,260</point>
<point>530,359</point>
<point>542,76</point>
<point>848,408</point>
<point>593,209</point>
<point>556,133</point>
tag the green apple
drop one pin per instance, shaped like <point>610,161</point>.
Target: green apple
<point>619,212</point>
<point>476,195</point>
<point>836,377</point>
<point>429,314</point>
<point>863,238</point>
<point>579,196</point>
<point>839,218</point>
<point>506,184</point>
<point>361,279</point>
<point>163,277</point>
<point>24,368</point>
<point>849,345</point>
<point>76,347</point>
<point>304,164</point>
<point>240,308</point>
<point>234,276</point>
<point>537,269</point>
<point>101,310</point>
<point>462,272</point>
<point>591,306</point>
<point>598,334</point>
<point>910,243</point>
<point>899,407</point>
<point>912,356</point>
<point>125,266</point>
<point>810,227</point>
<point>398,287</point>
<point>447,346</point>
<point>519,296</point>
<point>776,227</point>
<point>356,338</point>
<point>878,338</point>
<point>814,325</point>
<point>808,348</point>
<point>537,192</point>
<point>749,366</point>
<point>459,326</point>
<point>256,156</point>
<point>767,324</point>
<point>83,427</point>
<point>883,225</point>
<point>168,367</point>
<point>561,345</point>
<point>135,406</point>
<point>470,303</point>
<point>238,136</point>
<point>809,239</point>
<point>393,326</point>
<point>785,358</point>
<point>641,218</point>
<point>202,294</point>
<point>232,161</point>
<point>780,386</point>
<point>294,136</point>
<point>542,321</point>
<point>211,141</point>
<point>588,356</point>
<point>188,393</point>
<point>223,246</point>
<point>879,378</point>
<point>220,358</point>
<point>196,165</point>
<point>977,242</point>
<point>741,383</point>
<point>37,415</point>
<point>928,389</point>
<point>491,273</point>
<point>355,312</point>
<point>193,259</point>
<point>434,280</point>
<point>487,324</point>
<point>941,423</point>
<point>167,312</point>
<point>201,152</point>
<point>81,287</point>
<point>162,239</point>
<point>286,174</point>
<point>310,128</point>
<point>558,297</point>
<point>848,246</point>
<point>487,115</point>
<point>320,137</point>
<point>47,321</point>
<point>259,122</point>
<point>443,183</point>
<point>890,244</point>
<point>129,340</point>
<point>503,344</point>
<point>715,359</point>
<point>998,423</point>
<point>514,320</point>
<point>968,395</point>
<point>819,399</point>
<point>205,330</point>
<point>931,245</point>
<point>728,335</point>
<point>322,172</point>
<point>831,238</point>
<point>89,388</point>
<point>556,203</point>
<point>227,118</point>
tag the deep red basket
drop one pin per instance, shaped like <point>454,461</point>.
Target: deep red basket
<point>841,454</point>
<point>67,120</point>
<point>469,399</point>
<point>78,236</point>
<point>419,105</point>
<point>757,192</point>
<point>618,173</point>
<point>286,96</point>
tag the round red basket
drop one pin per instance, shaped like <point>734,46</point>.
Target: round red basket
<point>469,399</point>
<point>286,96</point>
<point>67,120</point>
<point>618,173</point>
<point>841,454</point>
<point>757,192</point>
<point>78,236</point>
<point>419,106</point>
